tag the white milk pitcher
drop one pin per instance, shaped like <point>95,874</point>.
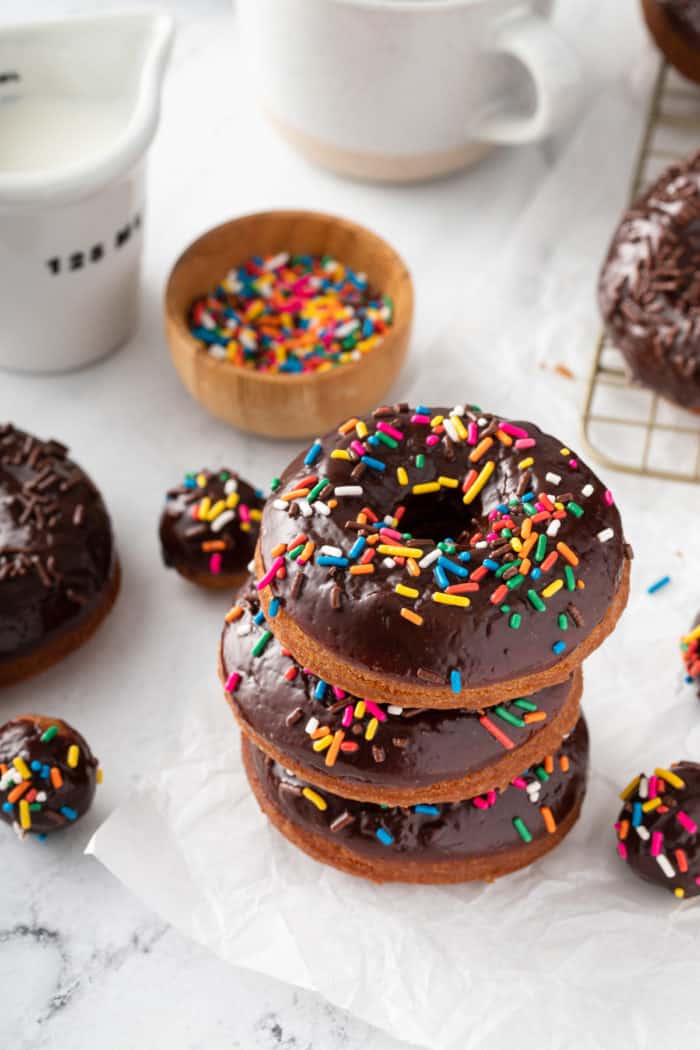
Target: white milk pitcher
<point>79,102</point>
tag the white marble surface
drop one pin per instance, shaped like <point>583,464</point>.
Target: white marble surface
<point>81,961</point>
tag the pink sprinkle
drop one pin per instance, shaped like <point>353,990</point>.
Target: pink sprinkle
<point>356,446</point>
<point>622,850</point>
<point>492,536</point>
<point>391,431</point>
<point>244,512</point>
<point>432,439</point>
<point>376,711</point>
<point>338,693</point>
<point>525,443</point>
<point>232,682</point>
<point>573,463</point>
<point>608,497</point>
<point>420,419</point>
<point>215,564</point>
<point>686,822</point>
<point>516,432</point>
<point>472,434</point>
<point>480,803</point>
<point>491,798</point>
<point>391,533</point>
<point>657,843</point>
<point>652,786</point>
<point>347,716</point>
<point>493,514</point>
<point>518,782</point>
<point>269,575</point>
<point>697,880</point>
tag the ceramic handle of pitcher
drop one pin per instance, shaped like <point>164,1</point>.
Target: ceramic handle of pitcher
<point>554,69</point>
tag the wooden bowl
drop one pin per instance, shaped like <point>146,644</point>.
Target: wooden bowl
<point>278,404</point>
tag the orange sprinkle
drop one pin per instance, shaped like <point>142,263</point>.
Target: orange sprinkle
<point>281,548</point>
<point>549,821</point>
<point>413,567</point>
<point>623,830</point>
<point>411,616</point>
<point>18,791</point>
<point>549,561</point>
<point>374,539</point>
<point>528,544</point>
<point>369,555</point>
<point>332,752</point>
<point>548,764</point>
<point>564,763</point>
<point>320,732</point>
<point>499,594</point>
<point>234,614</point>
<point>504,438</point>
<point>469,480</point>
<point>567,553</point>
<point>361,570</point>
<point>308,550</point>
<point>525,566</point>
<point>480,450</point>
<point>213,545</point>
<point>534,716</point>
<point>301,539</point>
<point>526,528</point>
<point>56,778</point>
<point>295,494</point>
<point>581,585</point>
<point>345,428</point>
<point>681,860</point>
<point>497,733</point>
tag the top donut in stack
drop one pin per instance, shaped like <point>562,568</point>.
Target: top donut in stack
<point>441,558</point>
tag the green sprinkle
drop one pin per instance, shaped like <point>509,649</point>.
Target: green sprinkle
<point>541,774</point>
<point>390,441</point>
<point>522,829</point>
<point>524,704</point>
<point>320,484</point>
<point>504,608</point>
<point>261,643</point>
<point>511,719</point>
<point>570,578</point>
<point>224,475</point>
<point>541,548</point>
<point>514,582</point>
<point>535,601</point>
<point>575,509</point>
<point>529,508</point>
<point>35,806</point>
<point>507,533</point>
<point>563,622</point>
<point>515,621</point>
<point>508,565</point>
<point>296,552</point>
<point>420,460</point>
<point>275,484</point>
<point>48,735</point>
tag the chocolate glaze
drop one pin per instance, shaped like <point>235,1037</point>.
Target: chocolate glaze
<point>186,541</point>
<point>690,652</point>
<point>684,16</point>
<point>660,843</point>
<point>57,553</point>
<point>649,289</point>
<point>69,789</point>
<point>455,830</point>
<point>359,616</point>
<point>411,748</point>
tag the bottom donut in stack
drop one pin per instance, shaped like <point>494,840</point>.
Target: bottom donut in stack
<point>399,794</point>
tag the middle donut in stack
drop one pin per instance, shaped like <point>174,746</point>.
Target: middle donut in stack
<point>406,670</point>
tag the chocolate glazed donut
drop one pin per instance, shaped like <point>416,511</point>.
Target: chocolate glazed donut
<point>441,558</point>
<point>649,288</point>
<point>675,26</point>
<point>59,573</point>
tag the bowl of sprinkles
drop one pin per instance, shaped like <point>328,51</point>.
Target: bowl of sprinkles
<point>281,322</point>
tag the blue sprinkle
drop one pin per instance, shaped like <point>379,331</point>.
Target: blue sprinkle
<point>528,497</point>
<point>313,453</point>
<point>35,765</point>
<point>503,507</point>
<point>421,410</point>
<point>357,548</point>
<point>327,559</point>
<point>384,836</point>
<point>46,772</point>
<point>441,577</point>
<point>373,440</point>
<point>69,813</point>
<point>637,814</point>
<point>455,681</point>
<point>465,556</point>
<point>274,608</point>
<point>259,617</point>
<point>453,567</point>
<point>559,647</point>
<point>41,836</point>
<point>658,585</point>
<point>489,563</point>
<point>7,807</point>
<point>430,811</point>
<point>535,573</point>
<point>375,464</point>
<point>320,690</point>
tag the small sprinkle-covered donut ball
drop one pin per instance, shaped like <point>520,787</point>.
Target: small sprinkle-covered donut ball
<point>48,774</point>
<point>657,830</point>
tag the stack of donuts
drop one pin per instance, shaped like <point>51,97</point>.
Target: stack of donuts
<point>405,661</point>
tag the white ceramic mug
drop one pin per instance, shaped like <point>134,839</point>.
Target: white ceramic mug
<point>408,89</point>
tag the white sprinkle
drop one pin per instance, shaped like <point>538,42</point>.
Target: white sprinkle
<point>41,796</point>
<point>248,339</point>
<point>642,832</point>
<point>389,520</point>
<point>553,527</point>
<point>481,545</point>
<point>348,490</point>
<point>355,355</point>
<point>251,565</point>
<point>19,832</point>
<point>643,788</point>
<point>587,490</point>
<point>553,479</point>
<point>481,421</point>
<point>311,726</point>
<point>392,709</point>
<point>231,486</point>
<point>458,410</point>
<point>665,865</point>
<point>207,321</point>
<point>217,351</point>
<point>280,504</point>
<point>389,563</point>
<point>276,261</point>
<point>334,552</point>
<point>223,519</point>
<point>450,428</point>
<point>322,507</point>
<point>347,328</point>
<point>429,558</point>
<point>605,535</point>
<point>305,508</point>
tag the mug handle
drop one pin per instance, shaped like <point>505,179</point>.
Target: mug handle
<point>555,72</point>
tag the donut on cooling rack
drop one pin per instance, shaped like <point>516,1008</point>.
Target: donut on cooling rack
<point>649,288</point>
<point>441,557</point>
<point>675,27</point>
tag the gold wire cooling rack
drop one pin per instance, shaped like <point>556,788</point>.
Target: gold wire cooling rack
<point>628,427</point>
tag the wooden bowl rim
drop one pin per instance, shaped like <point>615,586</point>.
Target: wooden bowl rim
<point>400,326</point>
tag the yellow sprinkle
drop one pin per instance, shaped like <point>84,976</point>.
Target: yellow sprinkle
<point>452,599</point>
<point>436,421</point>
<point>425,487</point>
<point>448,483</point>
<point>652,803</point>
<point>340,453</point>
<point>255,514</point>
<point>371,729</point>
<point>399,552</point>
<point>204,508</point>
<point>459,426</point>
<point>100,775</point>
<point>552,588</point>
<point>73,755</point>
<point>360,709</point>
<point>201,480</point>
<point>313,796</point>
<point>401,476</point>
<point>232,500</point>
<point>565,451</point>
<point>323,743</point>
<point>25,816</point>
<point>406,592</point>
<point>22,768</point>
<point>670,778</point>
<point>486,472</point>
<point>516,544</point>
<point>361,429</point>
<point>692,636</point>
<point>679,892</point>
<point>412,617</point>
<point>524,463</point>
<point>245,526</point>
<point>218,508</point>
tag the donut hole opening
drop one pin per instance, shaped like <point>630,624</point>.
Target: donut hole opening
<point>438,516</point>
